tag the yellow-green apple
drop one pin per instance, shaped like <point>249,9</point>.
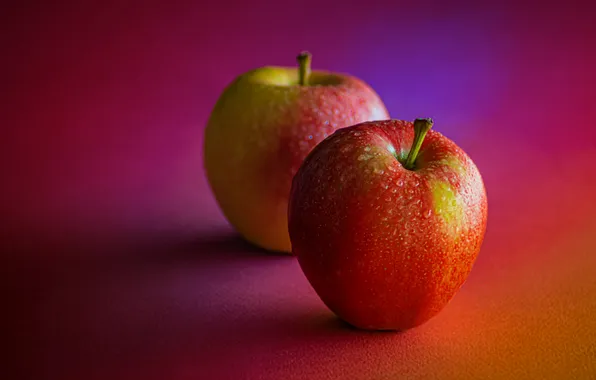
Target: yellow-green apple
<point>263,126</point>
<point>386,219</point>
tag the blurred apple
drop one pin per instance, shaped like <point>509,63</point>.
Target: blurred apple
<point>263,126</point>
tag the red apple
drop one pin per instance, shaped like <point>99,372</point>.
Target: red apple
<point>386,219</point>
<point>262,128</point>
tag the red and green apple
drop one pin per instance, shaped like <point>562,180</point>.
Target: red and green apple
<point>386,219</point>
<point>263,126</point>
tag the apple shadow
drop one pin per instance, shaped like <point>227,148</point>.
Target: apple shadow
<point>313,325</point>
<point>229,244</point>
<point>205,248</point>
<point>175,301</point>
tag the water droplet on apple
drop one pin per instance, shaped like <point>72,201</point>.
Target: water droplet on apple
<point>367,148</point>
<point>428,213</point>
<point>310,137</point>
<point>356,133</point>
<point>400,182</point>
<point>416,184</point>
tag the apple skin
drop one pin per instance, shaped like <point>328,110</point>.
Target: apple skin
<point>262,128</point>
<point>384,247</point>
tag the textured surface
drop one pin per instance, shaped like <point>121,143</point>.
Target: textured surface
<point>117,263</point>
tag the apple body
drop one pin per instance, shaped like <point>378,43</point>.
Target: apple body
<point>262,128</point>
<point>384,247</point>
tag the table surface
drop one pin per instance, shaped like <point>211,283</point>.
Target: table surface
<point>119,265</point>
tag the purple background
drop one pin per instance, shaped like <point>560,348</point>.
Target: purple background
<point>120,265</point>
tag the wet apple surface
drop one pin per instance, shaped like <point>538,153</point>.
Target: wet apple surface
<point>387,234</point>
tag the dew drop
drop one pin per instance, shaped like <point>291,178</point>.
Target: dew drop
<point>400,182</point>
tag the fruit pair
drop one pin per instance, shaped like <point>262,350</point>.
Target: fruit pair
<point>386,217</point>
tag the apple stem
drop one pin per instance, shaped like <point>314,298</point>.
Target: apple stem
<point>304,60</point>
<point>421,127</point>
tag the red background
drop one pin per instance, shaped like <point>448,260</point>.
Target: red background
<point>118,263</point>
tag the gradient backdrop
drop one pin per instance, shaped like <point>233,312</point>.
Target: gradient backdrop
<point>119,265</point>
